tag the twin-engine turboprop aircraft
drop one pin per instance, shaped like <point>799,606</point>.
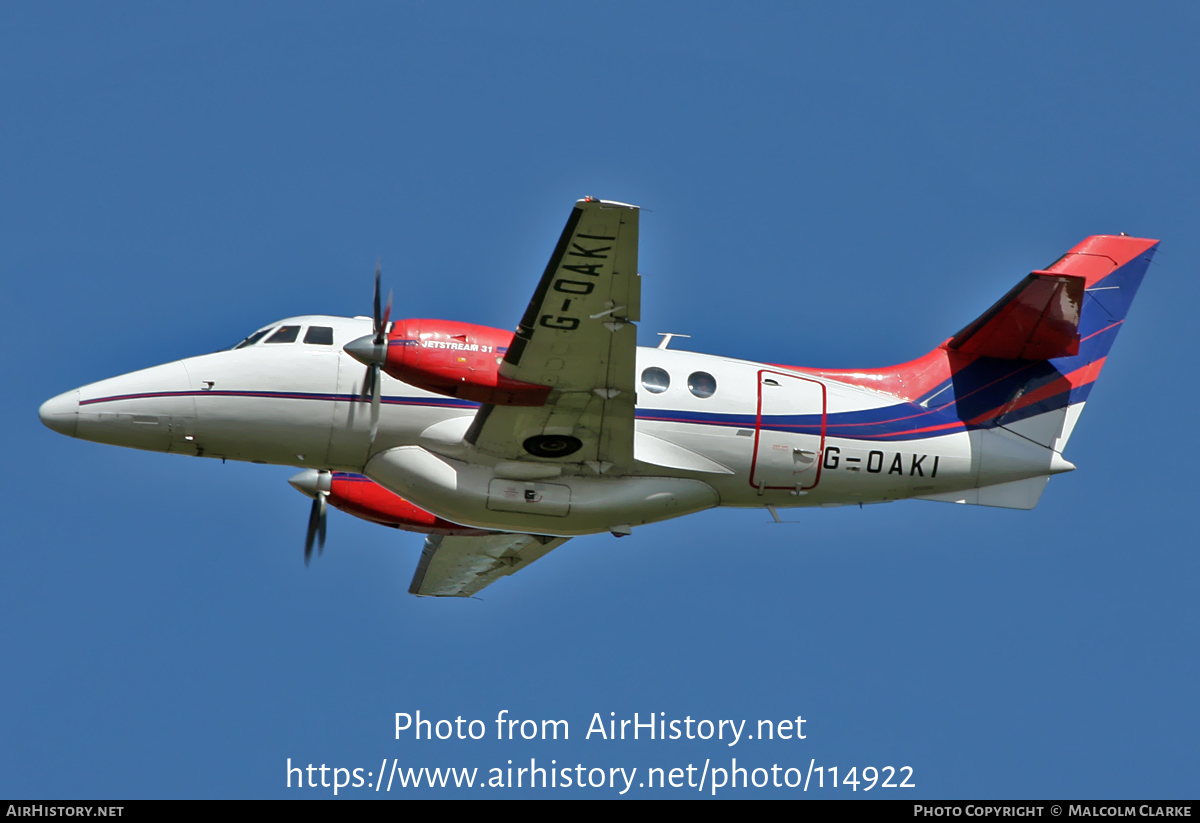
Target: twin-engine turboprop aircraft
<point>503,446</point>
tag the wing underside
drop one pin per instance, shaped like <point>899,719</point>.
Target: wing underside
<point>578,337</point>
<point>460,566</point>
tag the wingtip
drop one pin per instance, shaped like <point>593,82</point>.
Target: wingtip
<point>606,204</point>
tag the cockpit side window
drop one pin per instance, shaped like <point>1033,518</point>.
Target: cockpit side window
<point>286,334</point>
<point>319,335</point>
<point>252,339</point>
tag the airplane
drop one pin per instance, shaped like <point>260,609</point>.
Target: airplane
<point>501,446</point>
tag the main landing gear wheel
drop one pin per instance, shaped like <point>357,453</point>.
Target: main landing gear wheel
<point>552,445</point>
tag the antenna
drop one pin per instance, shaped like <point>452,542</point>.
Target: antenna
<point>667,337</point>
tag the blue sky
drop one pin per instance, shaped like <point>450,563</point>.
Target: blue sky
<point>824,186</point>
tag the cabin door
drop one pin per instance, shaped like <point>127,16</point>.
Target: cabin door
<point>789,434</point>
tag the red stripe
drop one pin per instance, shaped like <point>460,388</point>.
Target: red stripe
<point>1099,256</point>
<point>957,424</point>
<point>1103,330</point>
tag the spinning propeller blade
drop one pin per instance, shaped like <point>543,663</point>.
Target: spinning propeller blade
<point>321,503</point>
<point>371,351</point>
<point>375,401</point>
<point>376,317</point>
<point>380,338</point>
<point>368,387</point>
<point>316,522</point>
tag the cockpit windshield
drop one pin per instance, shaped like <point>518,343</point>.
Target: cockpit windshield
<point>252,339</point>
<point>286,334</point>
<point>312,335</point>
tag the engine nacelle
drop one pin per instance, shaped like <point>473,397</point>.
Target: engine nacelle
<point>459,360</point>
<point>366,499</point>
<point>562,506</point>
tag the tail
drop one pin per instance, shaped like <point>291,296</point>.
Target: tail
<point>1028,363</point>
<point>1024,367</point>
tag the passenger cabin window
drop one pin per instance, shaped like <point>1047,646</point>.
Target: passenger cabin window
<point>655,380</point>
<point>252,339</point>
<point>702,384</point>
<point>319,335</point>
<point>286,334</point>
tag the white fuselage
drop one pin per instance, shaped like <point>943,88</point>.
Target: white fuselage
<point>299,404</point>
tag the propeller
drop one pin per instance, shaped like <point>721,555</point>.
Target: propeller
<point>371,351</point>
<point>314,484</point>
<point>316,528</point>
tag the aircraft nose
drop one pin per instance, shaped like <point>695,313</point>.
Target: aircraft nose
<point>62,413</point>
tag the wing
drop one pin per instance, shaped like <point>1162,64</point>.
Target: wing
<point>461,566</point>
<point>578,337</point>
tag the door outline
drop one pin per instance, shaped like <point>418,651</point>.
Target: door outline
<point>758,431</point>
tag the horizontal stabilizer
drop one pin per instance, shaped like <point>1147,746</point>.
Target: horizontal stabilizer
<point>1037,320</point>
<point>1019,494</point>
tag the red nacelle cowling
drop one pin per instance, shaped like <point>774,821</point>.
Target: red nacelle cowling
<point>459,360</point>
<point>366,499</point>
